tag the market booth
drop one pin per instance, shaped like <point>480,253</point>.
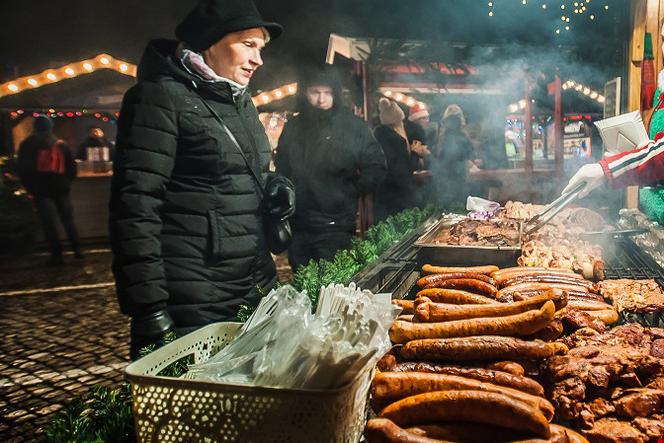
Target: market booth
<point>505,334</point>
<point>76,96</point>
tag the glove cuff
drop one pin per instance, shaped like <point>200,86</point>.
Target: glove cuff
<point>154,324</point>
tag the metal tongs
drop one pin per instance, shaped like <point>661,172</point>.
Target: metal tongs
<point>553,209</point>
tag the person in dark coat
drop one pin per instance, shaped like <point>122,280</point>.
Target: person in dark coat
<point>398,191</point>
<point>331,157</point>
<point>46,168</point>
<point>452,159</point>
<point>186,218</point>
<point>95,139</point>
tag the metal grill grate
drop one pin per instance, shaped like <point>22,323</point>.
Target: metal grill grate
<point>624,259</point>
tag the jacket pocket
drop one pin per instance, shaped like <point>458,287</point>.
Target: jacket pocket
<point>214,237</point>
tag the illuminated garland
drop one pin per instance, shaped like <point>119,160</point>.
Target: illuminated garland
<point>570,9</point>
<point>72,70</point>
<point>569,84</point>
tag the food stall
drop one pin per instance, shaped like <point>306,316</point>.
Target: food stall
<point>77,96</point>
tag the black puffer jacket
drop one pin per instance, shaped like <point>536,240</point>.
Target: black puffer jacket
<point>330,156</point>
<point>186,226</point>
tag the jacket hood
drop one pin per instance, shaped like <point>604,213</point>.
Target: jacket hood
<point>159,60</point>
<point>325,75</point>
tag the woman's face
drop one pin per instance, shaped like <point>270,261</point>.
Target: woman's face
<point>237,55</point>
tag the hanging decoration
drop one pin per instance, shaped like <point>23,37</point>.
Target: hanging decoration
<point>570,11</point>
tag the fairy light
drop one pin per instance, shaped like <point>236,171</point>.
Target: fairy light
<point>32,82</point>
<point>568,85</point>
<point>52,77</point>
<point>578,10</point>
<point>280,93</point>
<point>70,72</point>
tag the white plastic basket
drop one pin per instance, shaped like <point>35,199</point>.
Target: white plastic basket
<point>177,410</point>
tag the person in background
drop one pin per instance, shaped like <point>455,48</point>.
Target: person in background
<point>418,124</point>
<point>331,157</point>
<point>638,167</point>
<point>452,159</point>
<point>398,191</point>
<point>46,168</point>
<point>95,139</point>
<point>186,214</point>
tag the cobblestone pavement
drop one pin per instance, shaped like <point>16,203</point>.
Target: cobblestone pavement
<point>62,333</point>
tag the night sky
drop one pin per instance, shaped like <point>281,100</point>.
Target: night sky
<point>39,34</point>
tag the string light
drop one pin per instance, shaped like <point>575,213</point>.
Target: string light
<point>580,8</point>
<point>101,61</point>
<point>280,93</point>
<point>403,98</point>
<point>569,84</point>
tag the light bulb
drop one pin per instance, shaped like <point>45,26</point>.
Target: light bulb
<point>32,82</point>
<point>12,87</point>
<point>104,60</point>
<point>87,66</point>
<point>52,77</point>
<point>69,72</point>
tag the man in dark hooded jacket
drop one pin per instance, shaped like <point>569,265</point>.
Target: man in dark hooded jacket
<point>186,212</point>
<point>331,157</point>
<point>46,167</point>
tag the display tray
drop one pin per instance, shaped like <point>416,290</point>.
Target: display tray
<point>462,255</point>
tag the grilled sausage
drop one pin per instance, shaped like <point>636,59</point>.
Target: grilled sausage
<point>494,376</point>
<point>382,430</point>
<point>522,324</point>
<point>511,367</point>
<point>476,433</point>
<point>468,284</point>
<point>469,406</point>
<point>479,348</point>
<point>430,269</point>
<point>588,305</point>
<point>406,305</point>
<point>455,296</point>
<point>536,287</point>
<point>471,433</point>
<point>388,387</point>
<point>433,280</point>
<point>543,278</point>
<point>500,277</point>
<point>434,312</point>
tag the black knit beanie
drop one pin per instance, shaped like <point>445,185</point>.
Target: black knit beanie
<point>210,20</point>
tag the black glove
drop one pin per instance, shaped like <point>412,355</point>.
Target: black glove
<point>280,198</point>
<point>149,329</point>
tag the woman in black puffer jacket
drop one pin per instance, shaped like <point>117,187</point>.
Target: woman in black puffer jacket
<point>186,214</point>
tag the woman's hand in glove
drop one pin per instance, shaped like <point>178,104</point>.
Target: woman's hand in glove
<point>280,198</point>
<point>149,330</point>
<point>592,175</point>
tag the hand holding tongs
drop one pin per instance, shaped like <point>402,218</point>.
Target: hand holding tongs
<point>547,214</point>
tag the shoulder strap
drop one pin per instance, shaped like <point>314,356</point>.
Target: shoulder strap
<point>258,180</point>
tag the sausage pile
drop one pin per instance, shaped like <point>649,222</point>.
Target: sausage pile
<point>452,375</point>
<point>585,305</point>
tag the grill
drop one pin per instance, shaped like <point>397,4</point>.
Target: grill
<point>625,259</point>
